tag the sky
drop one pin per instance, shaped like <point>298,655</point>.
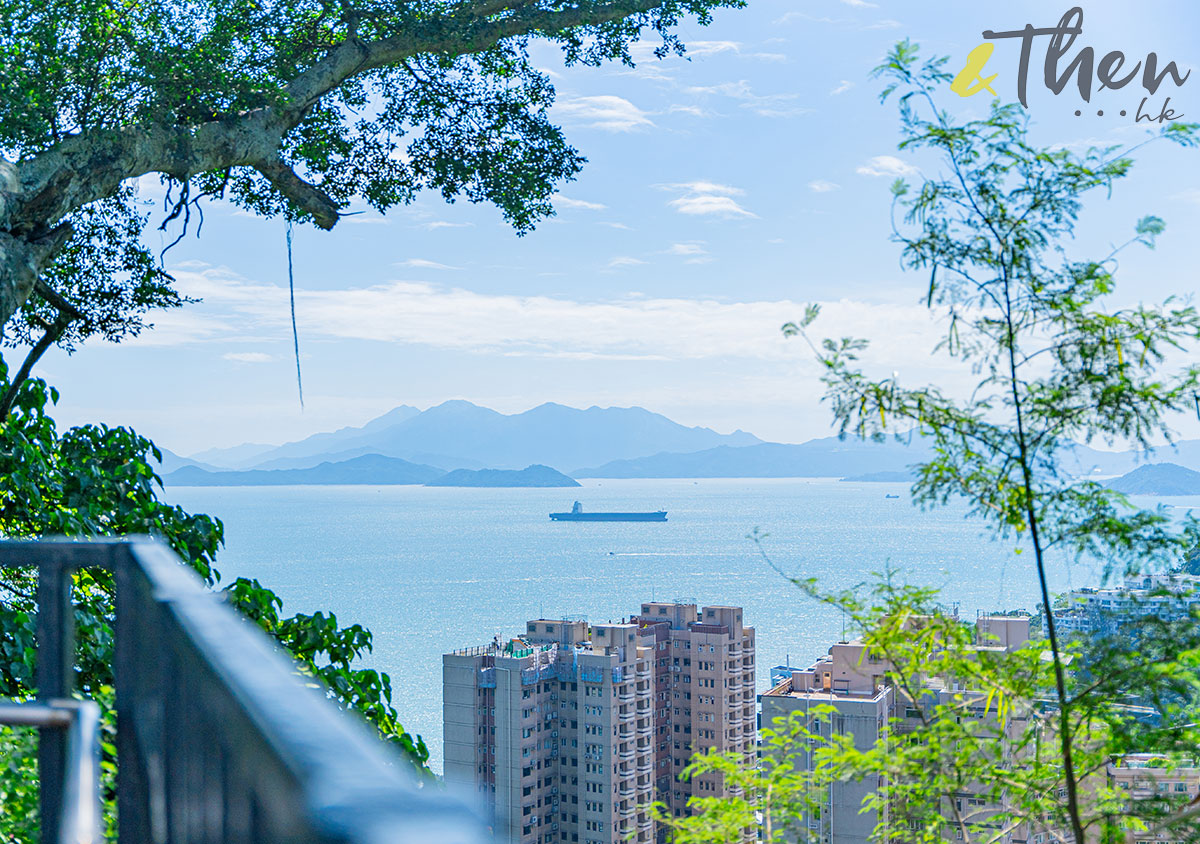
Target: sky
<point>722,193</point>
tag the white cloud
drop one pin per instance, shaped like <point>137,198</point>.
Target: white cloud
<point>412,313</point>
<point>1190,195</point>
<point>703,198</point>
<point>692,251</point>
<point>764,105</point>
<point>248,357</point>
<point>705,187</point>
<point>611,113</point>
<point>709,48</point>
<point>886,165</point>
<point>861,4</point>
<point>421,263</point>
<point>823,186</point>
<point>444,224</point>
<point>624,261</point>
<point>695,111</point>
<point>701,49</point>
<point>561,201</point>
<point>843,86</point>
<point>706,204</point>
<point>613,225</point>
<point>884,24</point>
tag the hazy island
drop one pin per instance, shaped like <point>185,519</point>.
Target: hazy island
<point>531,476</point>
<point>370,469</point>
<point>903,476</point>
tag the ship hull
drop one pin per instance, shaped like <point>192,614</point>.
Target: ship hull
<point>659,516</point>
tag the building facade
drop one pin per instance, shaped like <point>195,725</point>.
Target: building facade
<point>569,730</point>
<point>1105,611</point>
<point>705,697</point>
<point>853,681</point>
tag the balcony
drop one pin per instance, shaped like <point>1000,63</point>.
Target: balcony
<point>217,737</point>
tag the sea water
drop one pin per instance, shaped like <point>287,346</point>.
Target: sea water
<point>429,570</point>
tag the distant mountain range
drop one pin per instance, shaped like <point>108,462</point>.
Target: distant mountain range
<point>407,445</point>
<point>1158,479</point>
<point>371,469</point>
<point>823,458</point>
<point>317,448</point>
<point>461,435</point>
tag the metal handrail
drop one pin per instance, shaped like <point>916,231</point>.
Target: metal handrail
<point>218,738</point>
<point>80,818</point>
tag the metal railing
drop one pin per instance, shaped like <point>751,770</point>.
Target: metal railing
<point>78,818</point>
<point>218,740</point>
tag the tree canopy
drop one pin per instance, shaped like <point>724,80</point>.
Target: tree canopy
<point>283,107</point>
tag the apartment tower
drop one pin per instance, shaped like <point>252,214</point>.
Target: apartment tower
<point>853,681</point>
<point>569,730</point>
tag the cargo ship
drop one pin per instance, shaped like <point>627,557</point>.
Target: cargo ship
<point>577,515</point>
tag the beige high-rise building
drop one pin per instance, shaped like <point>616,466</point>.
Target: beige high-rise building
<point>570,730</point>
<point>704,692</point>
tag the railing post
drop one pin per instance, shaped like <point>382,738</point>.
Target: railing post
<point>55,667</point>
<point>140,809</point>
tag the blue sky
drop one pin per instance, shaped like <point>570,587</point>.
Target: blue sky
<point>721,193</point>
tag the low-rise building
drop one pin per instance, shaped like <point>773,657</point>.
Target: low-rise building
<point>1105,611</point>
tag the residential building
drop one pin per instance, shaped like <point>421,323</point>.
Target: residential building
<point>1090,611</point>
<point>569,730</point>
<point>704,670</point>
<point>1145,776</point>
<point>853,681</point>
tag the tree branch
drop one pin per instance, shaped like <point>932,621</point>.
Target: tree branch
<point>39,192</point>
<point>305,196</point>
